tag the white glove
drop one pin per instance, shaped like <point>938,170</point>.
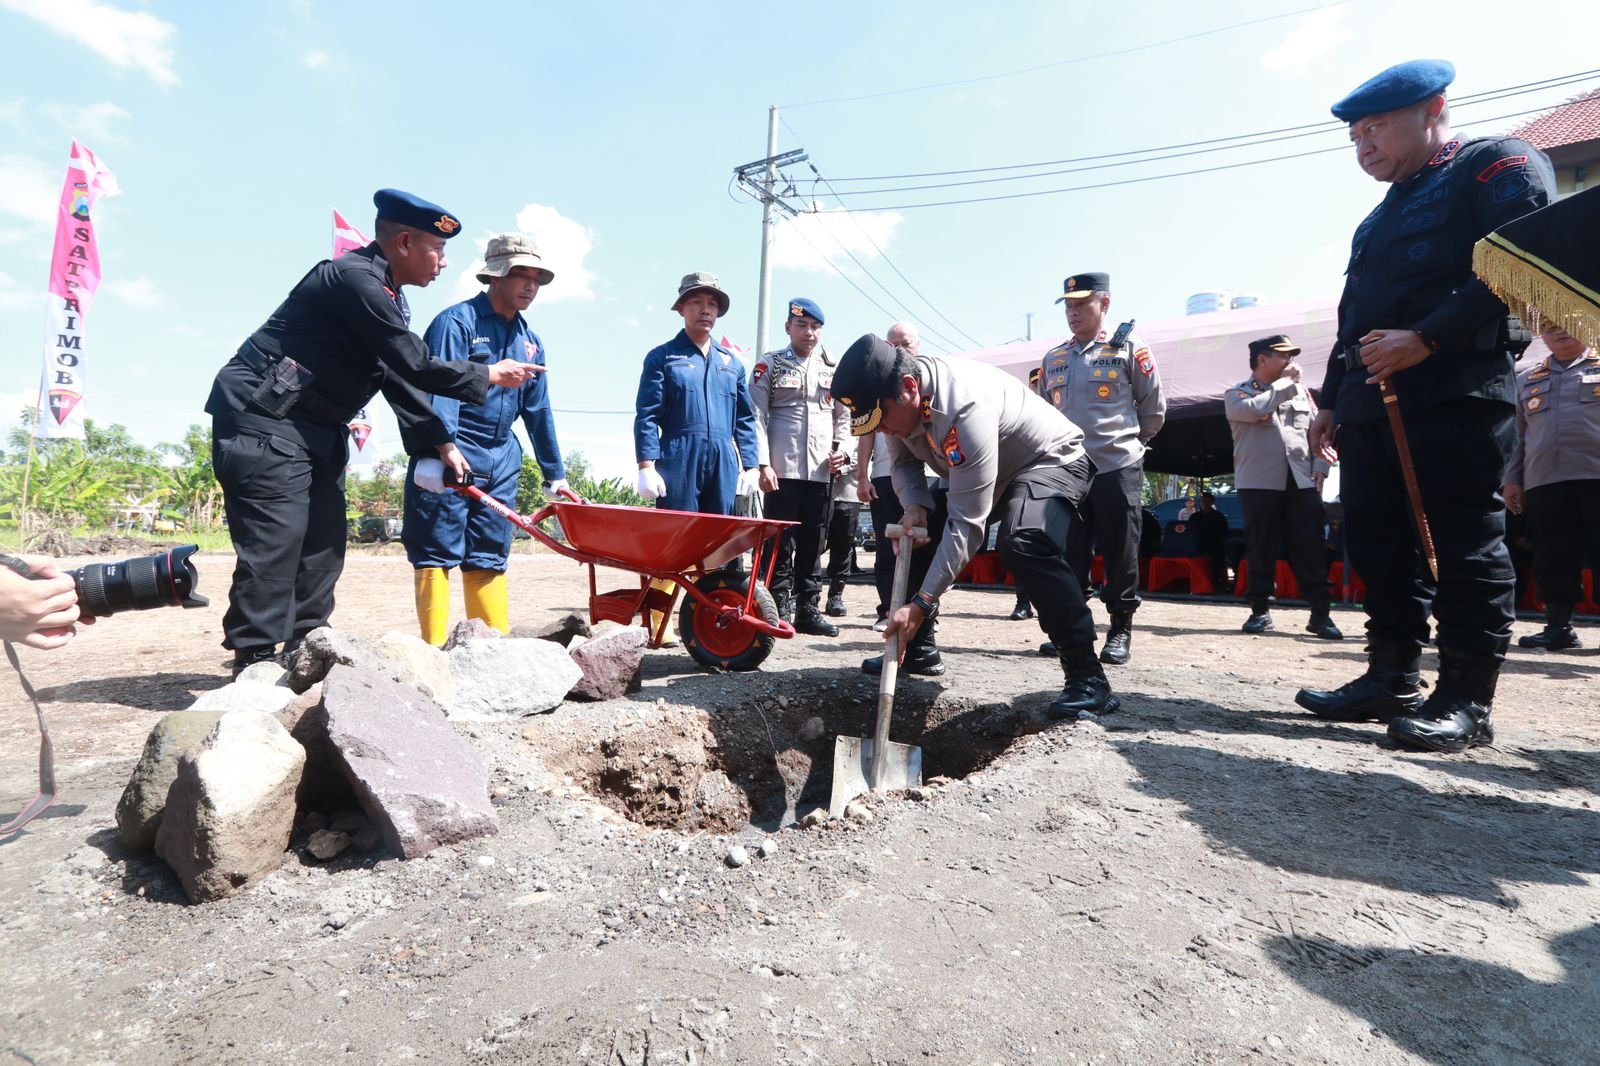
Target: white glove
<point>650,485</point>
<point>429,475</point>
<point>749,482</point>
<point>555,487</point>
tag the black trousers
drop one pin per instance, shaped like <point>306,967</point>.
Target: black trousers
<point>800,547</point>
<point>885,509</point>
<point>1564,523</point>
<point>1460,449</point>
<point>1274,519</point>
<point>841,544</point>
<point>1038,514</point>
<point>284,498</point>
<point>1111,521</point>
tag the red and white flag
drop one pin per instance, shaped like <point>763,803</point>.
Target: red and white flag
<point>345,236</point>
<point>732,347</point>
<point>74,279</point>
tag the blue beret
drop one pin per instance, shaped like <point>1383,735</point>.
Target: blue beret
<point>1399,86</point>
<point>801,306</point>
<point>413,211</point>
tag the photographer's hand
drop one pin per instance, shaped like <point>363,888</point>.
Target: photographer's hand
<point>38,612</point>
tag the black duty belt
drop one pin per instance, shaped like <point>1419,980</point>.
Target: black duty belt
<point>1352,357</point>
<point>310,404</point>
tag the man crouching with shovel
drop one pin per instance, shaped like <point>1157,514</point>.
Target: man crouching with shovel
<point>1005,451</point>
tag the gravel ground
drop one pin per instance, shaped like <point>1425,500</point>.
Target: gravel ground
<point>1207,876</point>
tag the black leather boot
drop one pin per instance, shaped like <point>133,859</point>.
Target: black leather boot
<point>809,620</point>
<point>785,604</point>
<point>922,657</point>
<point>1119,639</point>
<point>1558,633</point>
<point>247,657</point>
<point>1260,620</point>
<point>1321,623</point>
<point>836,607</point>
<point>1087,692</point>
<point>1391,687</point>
<point>1456,715</point>
<point>1023,610</point>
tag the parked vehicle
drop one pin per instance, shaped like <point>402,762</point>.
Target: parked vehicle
<point>372,529</point>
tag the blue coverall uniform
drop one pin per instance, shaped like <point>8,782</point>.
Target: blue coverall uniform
<point>446,529</point>
<point>694,420</point>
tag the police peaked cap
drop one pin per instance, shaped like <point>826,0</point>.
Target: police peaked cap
<point>1080,285</point>
<point>864,377</point>
<point>408,210</point>
<point>1400,86</point>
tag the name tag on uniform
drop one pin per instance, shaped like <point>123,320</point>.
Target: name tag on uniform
<point>788,378</point>
<point>1591,377</point>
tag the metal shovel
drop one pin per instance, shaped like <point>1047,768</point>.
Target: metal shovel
<point>879,765</point>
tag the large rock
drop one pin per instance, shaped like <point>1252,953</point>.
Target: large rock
<point>510,677</point>
<point>145,797</point>
<point>562,630</point>
<point>231,807</point>
<point>469,629</point>
<point>322,783</point>
<point>422,666</point>
<point>610,664</point>
<point>245,696</point>
<point>419,782</point>
<point>323,648</point>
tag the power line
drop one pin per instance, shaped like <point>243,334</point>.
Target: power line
<point>829,263</point>
<point>1066,62</point>
<point>1119,159</point>
<point>1150,177</point>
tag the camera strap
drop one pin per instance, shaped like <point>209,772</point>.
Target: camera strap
<point>47,762</point>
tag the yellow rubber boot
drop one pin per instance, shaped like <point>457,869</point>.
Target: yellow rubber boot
<point>669,636</point>
<point>433,604</point>
<point>485,591</point>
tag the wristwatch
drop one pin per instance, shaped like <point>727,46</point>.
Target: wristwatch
<point>928,606</point>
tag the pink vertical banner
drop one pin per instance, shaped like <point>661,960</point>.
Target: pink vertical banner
<point>345,236</point>
<point>363,433</point>
<point>74,279</point>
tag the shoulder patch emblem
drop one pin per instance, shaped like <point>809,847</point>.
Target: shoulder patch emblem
<point>1502,164</point>
<point>1144,362</point>
<point>952,448</point>
<point>758,372</point>
<point>1445,153</point>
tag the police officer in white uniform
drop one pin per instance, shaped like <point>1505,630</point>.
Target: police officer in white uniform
<point>1278,483</point>
<point>1004,452</point>
<point>1555,476</point>
<point>1107,384</point>
<point>799,431</point>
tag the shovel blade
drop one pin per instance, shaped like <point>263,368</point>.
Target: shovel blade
<point>852,770</point>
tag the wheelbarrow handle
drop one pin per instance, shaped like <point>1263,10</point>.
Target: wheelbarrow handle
<point>570,495</point>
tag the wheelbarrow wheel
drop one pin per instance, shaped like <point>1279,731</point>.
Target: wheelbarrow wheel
<point>712,638</point>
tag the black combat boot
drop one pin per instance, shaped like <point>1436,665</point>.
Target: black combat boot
<point>1558,633</point>
<point>1119,639</point>
<point>1260,620</point>
<point>1391,687</point>
<point>244,658</point>
<point>1456,715</point>
<point>1087,692</point>
<point>785,604</point>
<point>1321,622</point>
<point>836,607</point>
<point>809,620</point>
<point>922,656</point>
<point>1023,610</point>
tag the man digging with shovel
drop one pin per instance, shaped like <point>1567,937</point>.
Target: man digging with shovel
<point>1004,451</point>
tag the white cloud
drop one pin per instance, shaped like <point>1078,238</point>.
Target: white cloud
<point>91,124</point>
<point>1315,35</point>
<point>564,245</point>
<point>316,59</point>
<point>820,239</point>
<point>28,188</point>
<point>140,292</point>
<point>131,40</point>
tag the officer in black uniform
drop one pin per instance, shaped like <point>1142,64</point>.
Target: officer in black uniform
<point>280,409</point>
<point>1412,314</point>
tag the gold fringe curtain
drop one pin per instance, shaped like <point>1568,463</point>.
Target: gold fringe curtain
<point>1549,295</point>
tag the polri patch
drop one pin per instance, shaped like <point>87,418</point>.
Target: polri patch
<point>1505,163</point>
<point>951,448</point>
<point>1142,360</point>
<point>759,372</point>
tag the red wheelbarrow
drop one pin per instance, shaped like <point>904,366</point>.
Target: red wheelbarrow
<point>728,621</point>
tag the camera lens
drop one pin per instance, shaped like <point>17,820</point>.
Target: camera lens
<point>164,580</point>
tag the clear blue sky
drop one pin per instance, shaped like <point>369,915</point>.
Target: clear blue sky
<point>610,132</point>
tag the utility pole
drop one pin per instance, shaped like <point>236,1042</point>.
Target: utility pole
<point>1030,325</point>
<point>760,179</point>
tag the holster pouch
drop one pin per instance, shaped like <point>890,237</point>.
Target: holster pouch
<point>282,385</point>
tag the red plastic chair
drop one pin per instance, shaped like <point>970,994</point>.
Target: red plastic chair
<point>1283,577</point>
<point>1358,588</point>
<point>1194,572</point>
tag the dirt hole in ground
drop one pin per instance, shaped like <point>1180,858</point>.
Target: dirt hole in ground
<point>767,761</point>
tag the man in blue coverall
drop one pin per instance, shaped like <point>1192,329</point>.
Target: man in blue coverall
<point>694,429</point>
<point>443,529</point>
